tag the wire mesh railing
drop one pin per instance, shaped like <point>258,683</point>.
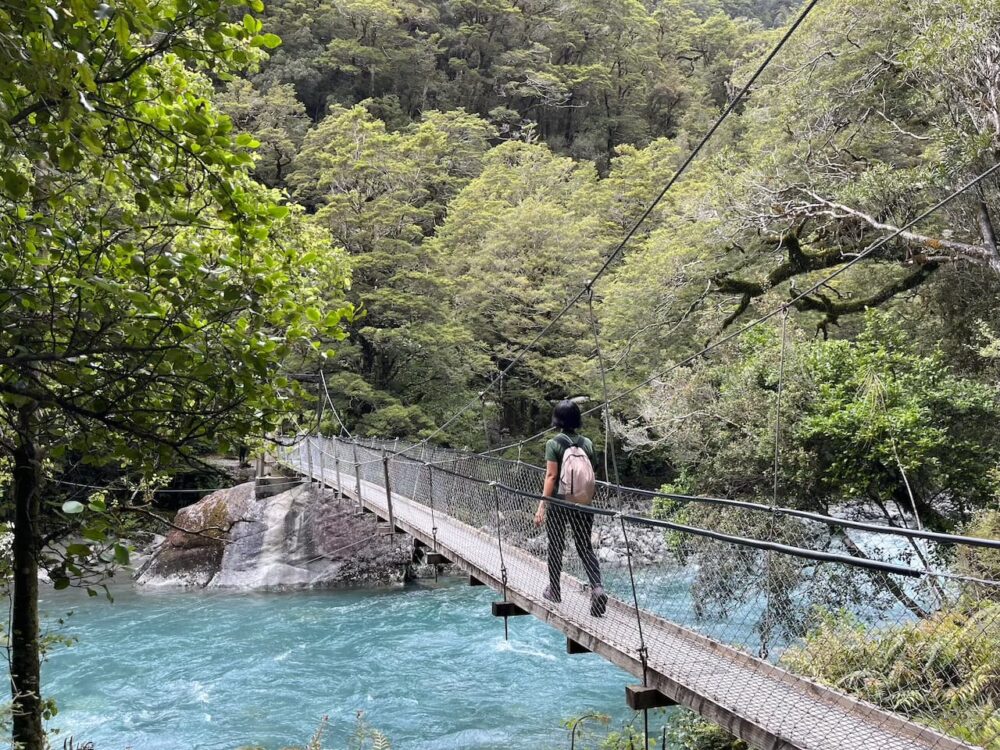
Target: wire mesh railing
<point>906,623</point>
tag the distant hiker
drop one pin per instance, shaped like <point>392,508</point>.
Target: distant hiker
<point>569,476</point>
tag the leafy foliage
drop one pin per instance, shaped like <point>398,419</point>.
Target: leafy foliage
<point>364,737</point>
<point>689,731</point>
<point>149,288</point>
<point>379,193</point>
<point>871,420</point>
<point>585,76</point>
<point>944,666</point>
<point>518,241</point>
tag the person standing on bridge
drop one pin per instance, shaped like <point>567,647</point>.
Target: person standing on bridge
<point>569,477</point>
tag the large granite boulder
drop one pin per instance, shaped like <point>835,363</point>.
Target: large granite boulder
<point>301,538</point>
<point>191,553</point>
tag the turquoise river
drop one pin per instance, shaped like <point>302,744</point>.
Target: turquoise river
<point>427,665</point>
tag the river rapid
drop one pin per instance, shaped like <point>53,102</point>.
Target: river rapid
<point>428,665</point>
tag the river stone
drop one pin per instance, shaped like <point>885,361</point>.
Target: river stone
<point>191,554</point>
<point>301,538</point>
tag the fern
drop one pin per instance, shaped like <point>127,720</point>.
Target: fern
<point>364,737</point>
<point>940,671</point>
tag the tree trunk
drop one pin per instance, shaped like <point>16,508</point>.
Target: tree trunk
<point>25,681</point>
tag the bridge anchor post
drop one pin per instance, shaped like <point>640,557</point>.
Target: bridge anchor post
<point>357,475</point>
<point>322,464</point>
<point>336,469</point>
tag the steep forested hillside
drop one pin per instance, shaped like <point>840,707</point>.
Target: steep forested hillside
<point>583,76</point>
<point>479,159</point>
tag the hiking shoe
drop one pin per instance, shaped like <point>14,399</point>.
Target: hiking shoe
<point>598,602</point>
<point>552,596</point>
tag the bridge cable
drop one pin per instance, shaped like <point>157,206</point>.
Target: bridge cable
<point>643,652</point>
<point>777,407</point>
<point>180,491</point>
<point>503,565</point>
<point>333,408</point>
<point>486,427</point>
<point>733,104</point>
<point>430,492</point>
<point>609,445</point>
<point>771,524</point>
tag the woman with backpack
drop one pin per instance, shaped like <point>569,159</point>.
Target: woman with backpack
<point>569,477</point>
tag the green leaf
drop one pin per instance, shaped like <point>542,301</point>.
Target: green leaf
<point>78,550</point>
<point>72,507</point>
<point>268,40</point>
<point>251,24</point>
<point>86,76</point>
<point>15,184</point>
<point>122,30</point>
<point>60,583</point>
<point>121,554</point>
<point>93,534</point>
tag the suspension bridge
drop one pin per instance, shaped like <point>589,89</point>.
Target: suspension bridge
<point>721,622</point>
<point>712,641</point>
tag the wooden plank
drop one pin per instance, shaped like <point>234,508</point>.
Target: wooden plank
<point>642,698</point>
<point>507,609</point>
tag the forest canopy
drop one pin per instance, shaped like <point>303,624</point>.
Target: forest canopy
<point>478,160</point>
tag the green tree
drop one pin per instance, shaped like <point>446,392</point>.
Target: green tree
<point>868,427</point>
<point>520,240</point>
<point>380,194</point>
<point>148,288</point>
<point>873,420</point>
<point>273,117</point>
<point>585,76</point>
<point>880,116</point>
<point>898,428</point>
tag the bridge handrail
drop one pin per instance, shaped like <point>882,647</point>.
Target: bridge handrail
<point>832,521</point>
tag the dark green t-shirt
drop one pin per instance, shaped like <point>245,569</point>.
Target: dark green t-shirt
<point>556,447</point>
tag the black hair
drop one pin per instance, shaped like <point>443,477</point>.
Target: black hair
<point>566,416</point>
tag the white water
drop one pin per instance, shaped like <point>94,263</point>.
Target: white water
<point>428,666</point>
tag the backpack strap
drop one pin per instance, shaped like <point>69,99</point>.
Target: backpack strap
<point>565,445</point>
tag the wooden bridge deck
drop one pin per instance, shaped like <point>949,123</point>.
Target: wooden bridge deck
<point>769,708</point>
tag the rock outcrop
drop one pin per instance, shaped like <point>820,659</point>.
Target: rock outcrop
<point>194,556</point>
<point>300,538</point>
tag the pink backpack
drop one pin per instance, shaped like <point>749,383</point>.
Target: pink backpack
<point>577,482</point>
